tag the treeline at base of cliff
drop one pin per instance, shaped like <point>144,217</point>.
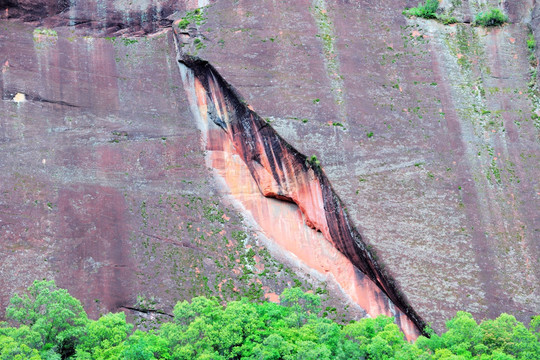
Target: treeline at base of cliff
<point>48,323</point>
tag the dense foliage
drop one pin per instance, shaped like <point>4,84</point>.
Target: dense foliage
<point>492,17</point>
<point>50,324</point>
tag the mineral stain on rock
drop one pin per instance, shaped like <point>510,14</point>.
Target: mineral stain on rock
<point>288,195</point>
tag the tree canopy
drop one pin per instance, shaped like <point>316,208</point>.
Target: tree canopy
<point>48,323</point>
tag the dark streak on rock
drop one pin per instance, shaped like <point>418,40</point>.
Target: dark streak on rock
<point>146,311</point>
<point>8,95</point>
<point>56,102</point>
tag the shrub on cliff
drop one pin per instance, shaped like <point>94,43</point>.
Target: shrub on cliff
<point>492,17</point>
<point>427,10</point>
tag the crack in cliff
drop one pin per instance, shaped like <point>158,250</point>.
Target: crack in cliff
<point>283,173</point>
<point>8,95</point>
<point>147,311</point>
<point>185,244</point>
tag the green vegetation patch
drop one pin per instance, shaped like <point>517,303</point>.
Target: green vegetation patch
<point>44,38</point>
<point>326,32</point>
<point>447,19</point>
<point>45,32</point>
<point>427,10</point>
<point>533,61</point>
<point>313,161</point>
<point>531,42</point>
<point>492,17</point>
<point>48,323</point>
<point>196,16</point>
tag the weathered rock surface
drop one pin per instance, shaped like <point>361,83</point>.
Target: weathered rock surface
<point>427,133</point>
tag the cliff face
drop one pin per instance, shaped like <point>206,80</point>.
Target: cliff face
<point>426,134</point>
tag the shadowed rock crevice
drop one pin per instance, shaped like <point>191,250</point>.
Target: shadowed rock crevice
<point>146,311</point>
<point>8,95</point>
<point>282,172</point>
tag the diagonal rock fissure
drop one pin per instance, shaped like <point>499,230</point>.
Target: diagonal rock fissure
<point>283,173</point>
<point>146,311</point>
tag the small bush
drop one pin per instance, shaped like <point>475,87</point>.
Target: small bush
<point>46,32</point>
<point>531,42</point>
<point>493,17</point>
<point>447,19</point>
<point>196,16</point>
<point>428,10</point>
<point>183,23</point>
<point>313,161</point>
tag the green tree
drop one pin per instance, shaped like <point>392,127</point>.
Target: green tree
<point>309,350</point>
<point>463,334</point>
<point>302,304</point>
<point>185,312</point>
<point>57,316</point>
<point>104,338</point>
<point>534,326</point>
<point>274,347</point>
<point>508,336</point>
<point>145,346</point>
<point>240,329</point>
<point>367,328</point>
<point>19,343</point>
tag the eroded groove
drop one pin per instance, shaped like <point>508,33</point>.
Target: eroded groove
<point>281,172</point>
